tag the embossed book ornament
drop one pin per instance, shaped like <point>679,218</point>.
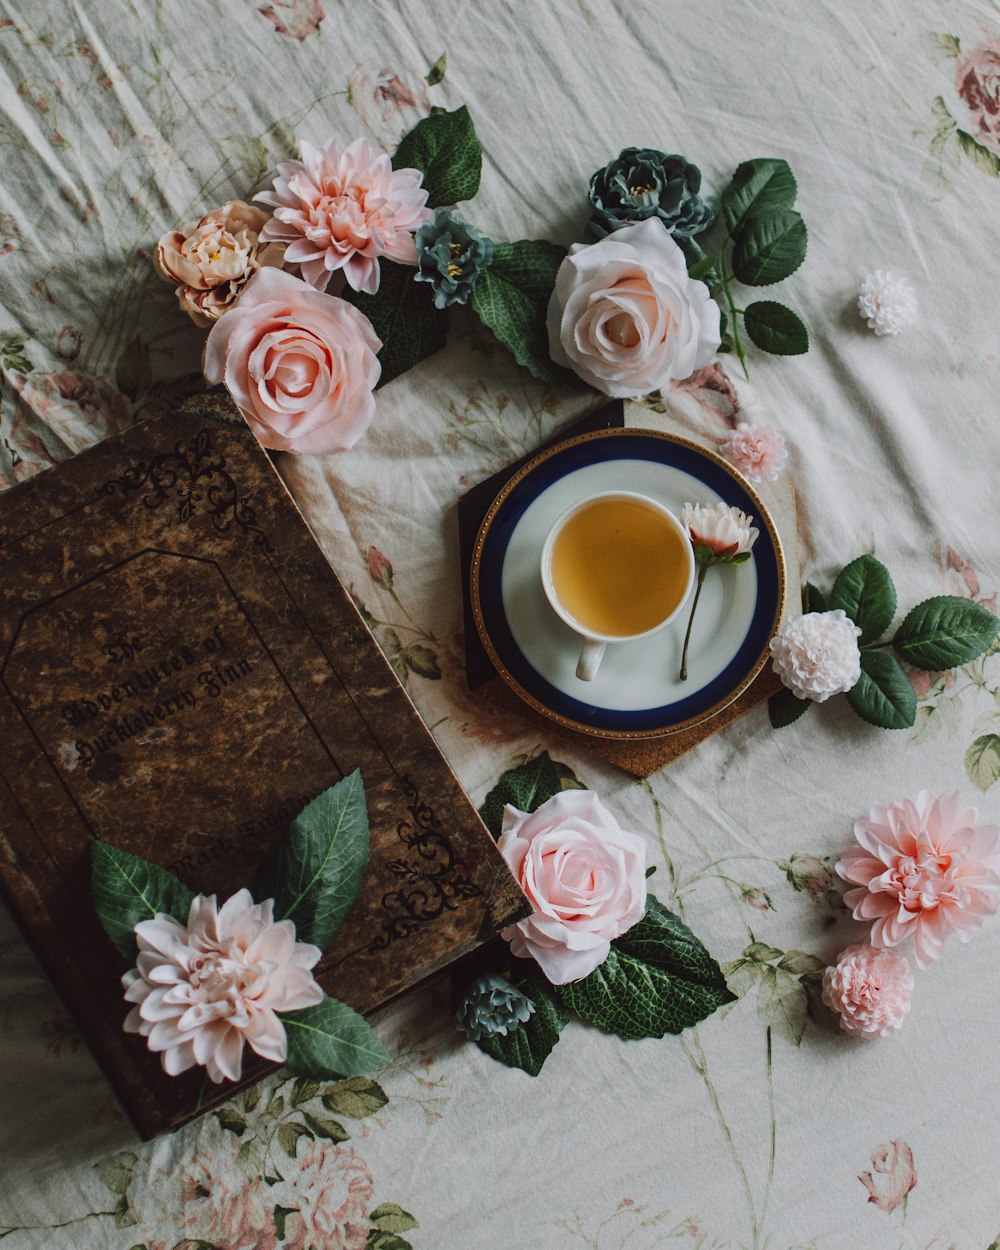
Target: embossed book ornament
<point>181,673</point>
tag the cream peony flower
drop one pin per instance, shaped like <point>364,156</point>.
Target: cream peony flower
<point>626,317</point>
<point>203,990</point>
<point>816,655</point>
<point>869,989</point>
<point>212,260</point>
<point>727,531</point>
<point>886,302</point>
<point>343,210</point>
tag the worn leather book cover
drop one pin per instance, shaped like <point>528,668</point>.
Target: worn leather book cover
<point>181,671</point>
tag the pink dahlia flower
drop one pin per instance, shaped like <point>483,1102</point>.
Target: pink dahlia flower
<point>925,869</point>
<point>757,451</point>
<point>343,210</point>
<point>869,988</point>
<point>203,990</point>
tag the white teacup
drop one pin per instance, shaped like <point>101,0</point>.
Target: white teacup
<point>616,567</point>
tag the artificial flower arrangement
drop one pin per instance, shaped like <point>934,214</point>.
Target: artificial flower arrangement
<point>210,980</point>
<point>630,312</point>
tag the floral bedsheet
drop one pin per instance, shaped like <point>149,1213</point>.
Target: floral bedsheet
<point>758,1128</point>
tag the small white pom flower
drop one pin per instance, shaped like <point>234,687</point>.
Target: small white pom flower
<point>886,302</point>
<point>817,655</point>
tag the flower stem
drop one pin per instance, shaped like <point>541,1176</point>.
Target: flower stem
<point>733,311</point>
<point>683,675</point>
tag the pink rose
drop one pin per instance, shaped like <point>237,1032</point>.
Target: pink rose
<point>626,317</point>
<point>300,364</point>
<point>892,1177</point>
<point>583,874</point>
<point>295,18</point>
<point>977,79</point>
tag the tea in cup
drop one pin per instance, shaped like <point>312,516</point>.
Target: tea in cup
<point>616,567</point>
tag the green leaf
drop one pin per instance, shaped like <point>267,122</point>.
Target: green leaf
<point>304,1090</point>
<point>391,1218</point>
<point>128,889</point>
<point>331,1039</point>
<point>864,590</point>
<point>333,1130</point>
<point>525,788</point>
<point>982,761</point>
<point>657,979</point>
<point>944,632</point>
<point>280,1215</point>
<point>945,46</point>
<point>701,269</point>
<point>512,298</point>
<point>758,185</point>
<point>785,708</point>
<point>437,71</point>
<point>980,156</point>
<point>884,695</point>
<point>813,599</point>
<point>776,329</point>
<point>782,1003</point>
<point>769,247</point>
<point>761,953</point>
<point>116,1170</point>
<point>380,1239</point>
<point>405,319</point>
<point>801,962</point>
<point>446,150</point>
<point>231,1120</point>
<point>125,1217</point>
<point>288,1137</point>
<point>358,1097</point>
<point>422,661</point>
<point>314,874</point>
<point>529,1045</point>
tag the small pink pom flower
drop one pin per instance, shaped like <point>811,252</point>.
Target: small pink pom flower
<point>924,869</point>
<point>203,990</point>
<point>757,451</point>
<point>343,210</point>
<point>869,988</point>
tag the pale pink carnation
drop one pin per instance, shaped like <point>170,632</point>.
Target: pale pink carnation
<point>816,655</point>
<point>343,210</point>
<point>757,451</point>
<point>727,531</point>
<point>203,990</point>
<point>326,1194</point>
<point>584,875</point>
<point>869,989</point>
<point>924,869</point>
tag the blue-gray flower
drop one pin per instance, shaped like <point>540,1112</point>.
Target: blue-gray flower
<point>641,183</point>
<point>491,1006</point>
<point>451,255</point>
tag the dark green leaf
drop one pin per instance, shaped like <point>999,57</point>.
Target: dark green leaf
<point>865,591</point>
<point>437,71</point>
<point>700,270</point>
<point>758,185</point>
<point>525,788</point>
<point>813,599</point>
<point>568,780</point>
<point>404,317</point>
<point>422,661</point>
<point>331,1039</point>
<point>379,1239</point>
<point>944,632</point>
<point>695,257</point>
<point>785,708</point>
<point>315,873</point>
<point>446,150</point>
<point>128,889</point>
<point>304,1090</point>
<point>512,297</point>
<point>980,156</point>
<point>658,978</point>
<point>333,1130</point>
<point>531,1044</point>
<point>884,695</point>
<point>288,1137</point>
<point>391,1218</point>
<point>982,761</point>
<point>776,329</point>
<point>280,1215</point>
<point>356,1098</point>
<point>231,1120</point>
<point>769,247</point>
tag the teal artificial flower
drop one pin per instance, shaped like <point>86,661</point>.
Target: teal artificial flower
<point>641,183</point>
<point>451,255</point>
<point>492,1005</point>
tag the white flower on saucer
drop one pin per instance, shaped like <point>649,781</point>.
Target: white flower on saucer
<point>816,655</point>
<point>724,533</point>
<point>887,303</point>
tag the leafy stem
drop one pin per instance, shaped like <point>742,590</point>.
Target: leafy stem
<point>725,277</point>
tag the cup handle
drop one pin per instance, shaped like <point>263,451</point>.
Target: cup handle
<point>590,659</point>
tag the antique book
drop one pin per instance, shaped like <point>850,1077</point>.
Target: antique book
<point>181,671</point>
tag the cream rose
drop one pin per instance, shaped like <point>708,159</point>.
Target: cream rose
<point>212,260</point>
<point>300,364</point>
<point>583,874</point>
<point>626,317</point>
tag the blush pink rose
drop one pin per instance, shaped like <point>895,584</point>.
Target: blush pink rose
<point>892,1177</point>
<point>300,364</point>
<point>924,869</point>
<point>294,18</point>
<point>977,79</point>
<point>869,988</point>
<point>626,317</point>
<point>584,875</point>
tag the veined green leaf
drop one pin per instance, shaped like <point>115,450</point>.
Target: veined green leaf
<point>127,890</point>
<point>944,632</point>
